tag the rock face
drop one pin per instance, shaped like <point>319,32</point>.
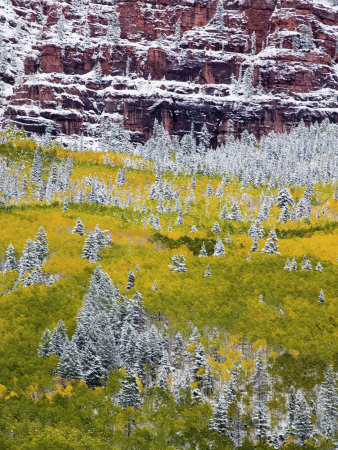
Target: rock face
<point>260,64</point>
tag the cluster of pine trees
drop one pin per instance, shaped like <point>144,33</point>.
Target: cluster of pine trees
<point>114,331</point>
<point>29,265</point>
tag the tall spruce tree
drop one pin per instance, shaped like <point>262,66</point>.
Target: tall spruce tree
<point>328,403</point>
<point>303,428</point>
<point>69,366</point>
<point>130,394</point>
<point>59,339</point>
<point>41,245</point>
<point>45,345</point>
<point>10,263</point>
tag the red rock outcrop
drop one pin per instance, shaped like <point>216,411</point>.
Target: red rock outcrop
<point>147,74</point>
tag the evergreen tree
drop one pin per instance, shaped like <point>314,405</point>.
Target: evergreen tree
<point>321,297</point>
<point>224,213</point>
<point>41,245</point>
<point>203,252</point>
<point>216,229</point>
<point>220,419</point>
<point>328,403</point>
<point>260,418</point>
<point>107,350</point>
<point>285,215</point>
<point>65,205</point>
<point>69,366</point>
<point>45,345</point>
<point>254,246</point>
<point>177,349</point>
<point>59,339</point>
<point>154,288</point>
<point>207,273</point>
<point>284,198</point>
<point>94,373</point>
<point>294,264</point>
<point>90,250</point>
<point>130,394</point>
<point>291,406</point>
<point>287,265</point>
<point>79,227</point>
<point>235,213</point>
<point>271,246</point>
<point>306,264</point>
<point>29,258</point>
<point>10,263</point>
<point>319,267</point>
<point>219,249</point>
<point>179,220</point>
<point>36,173</point>
<point>302,424</point>
<point>131,280</point>
<point>199,362</point>
<point>178,264</point>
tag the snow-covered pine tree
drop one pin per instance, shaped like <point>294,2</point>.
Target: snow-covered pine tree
<point>10,263</point>
<point>254,246</point>
<point>178,264</point>
<point>94,373</point>
<point>224,213</point>
<point>303,428</point>
<point>207,273</point>
<point>260,418</point>
<point>79,227</point>
<point>179,220</point>
<point>219,249</point>
<point>293,264</point>
<point>271,246</point>
<point>130,394</point>
<point>306,264</point>
<point>90,249</point>
<point>284,198</point>
<point>131,280</point>
<point>45,345</point>
<point>41,245</point>
<point>321,297</point>
<point>59,339</point>
<point>69,366</point>
<point>216,229</point>
<point>328,403</point>
<point>287,264</point>
<point>291,406</point>
<point>319,267</point>
<point>36,173</point>
<point>236,213</point>
<point>29,258</point>
<point>203,253</point>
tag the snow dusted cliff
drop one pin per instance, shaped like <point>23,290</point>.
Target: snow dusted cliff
<point>260,64</point>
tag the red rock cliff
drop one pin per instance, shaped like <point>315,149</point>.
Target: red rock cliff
<point>264,64</point>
